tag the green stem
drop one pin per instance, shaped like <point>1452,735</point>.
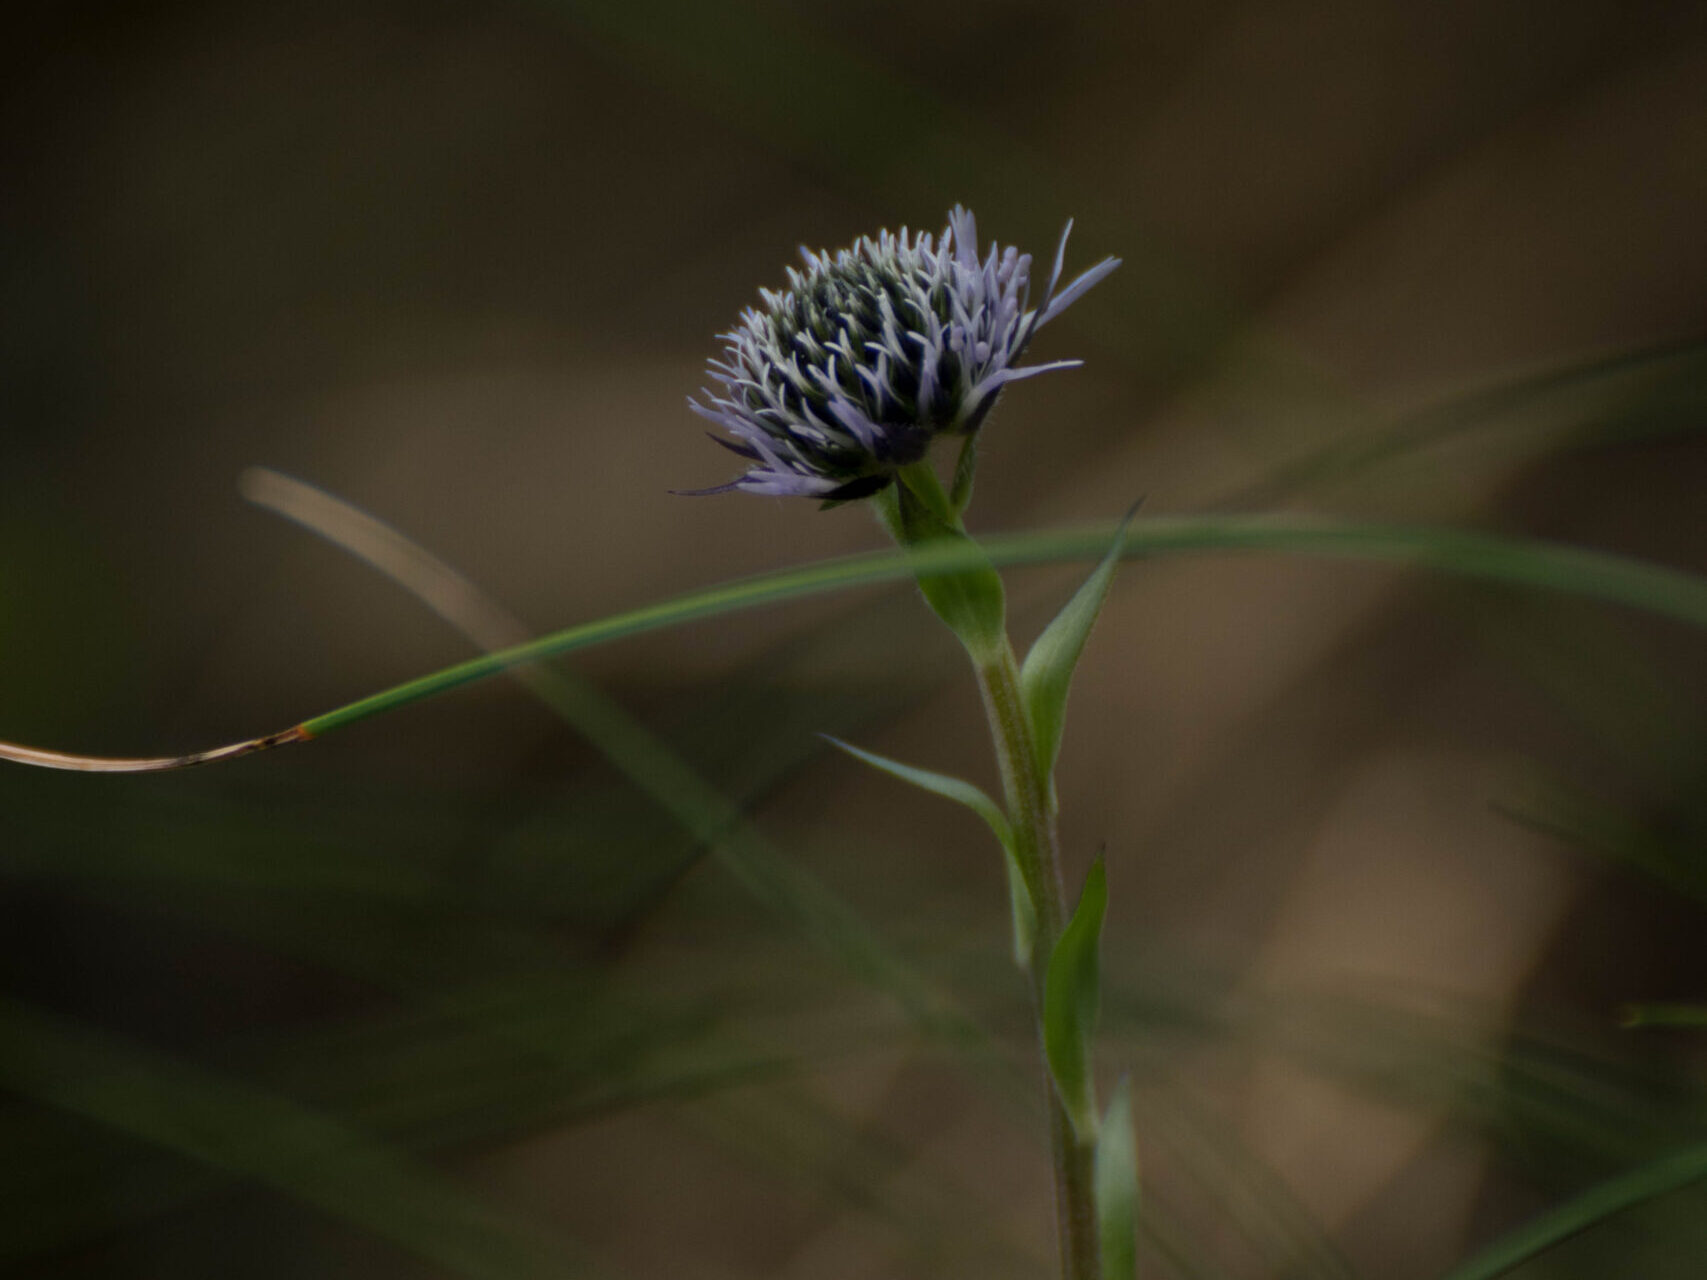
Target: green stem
<point>1032,813</point>
<point>918,514</point>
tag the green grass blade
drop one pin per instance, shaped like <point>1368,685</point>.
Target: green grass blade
<point>1514,561</point>
<point>1598,1203</point>
<point>778,883</point>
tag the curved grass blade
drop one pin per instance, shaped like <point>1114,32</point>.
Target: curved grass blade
<point>45,759</point>
<point>1594,575</point>
<point>701,809</point>
<point>429,579</point>
<point>1598,1203</point>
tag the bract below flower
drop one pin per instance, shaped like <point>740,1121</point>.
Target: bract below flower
<point>851,371</point>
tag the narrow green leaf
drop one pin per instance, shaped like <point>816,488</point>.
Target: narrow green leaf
<point>1071,994</point>
<point>940,784</point>
<point>1117,1187</point>
<point>1648,1182</point>
<point>1048,668</point>
<point>977,800</point>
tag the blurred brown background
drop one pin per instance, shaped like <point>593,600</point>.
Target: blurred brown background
<point>1389,853</point>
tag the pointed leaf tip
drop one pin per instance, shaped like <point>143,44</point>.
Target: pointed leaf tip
<point>1071,996</point>
<point>1047,672</point>
<point>940,784</point>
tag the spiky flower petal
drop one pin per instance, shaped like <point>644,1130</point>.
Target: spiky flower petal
<point>851,371</point>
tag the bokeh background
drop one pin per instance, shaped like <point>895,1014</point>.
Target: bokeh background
<point>451,994</point>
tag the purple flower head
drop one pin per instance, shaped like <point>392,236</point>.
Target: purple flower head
<point>868,355</point>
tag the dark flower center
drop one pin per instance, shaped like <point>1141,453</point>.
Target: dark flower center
<point>840,315</point>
